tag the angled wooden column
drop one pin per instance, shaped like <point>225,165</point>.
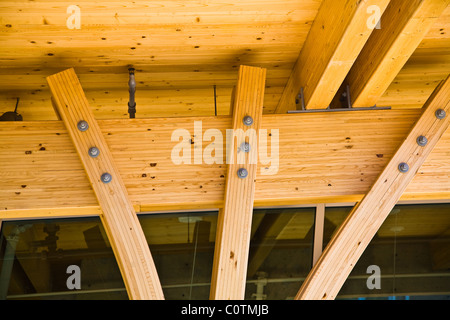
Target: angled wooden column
<point>335,40</point>
<point>235,218</point>
<point>403,26</point>
<point>118,216</point>
<point>351,239</point>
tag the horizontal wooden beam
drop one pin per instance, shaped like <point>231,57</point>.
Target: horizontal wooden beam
<point>323,157</point>
<point>335,40</point>
<point>119,219</point>
<point>234,222</point>
<point>355,233</point>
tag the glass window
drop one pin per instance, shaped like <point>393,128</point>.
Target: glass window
<point>182,247</point>
<point>408,258</point>
<point>58,259</point>
<point>40,259</point>
<point>280,252</point>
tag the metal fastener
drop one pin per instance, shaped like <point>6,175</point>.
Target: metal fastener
<point>422,141</point>
<point>248,121</point>
<point>440,114</point>
<point>245,146</point>
<point>106,177</point>
<point>403,167</point>
<point>242,173</point>
<point>94,152</point>
<point>82,125</point>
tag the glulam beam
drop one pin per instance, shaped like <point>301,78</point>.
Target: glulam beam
<point>41,173</point>
<point>337,36</point>
<point>354,235</point>
<point>235,218</point>
<point>118,216</point>
<point>403,26</point>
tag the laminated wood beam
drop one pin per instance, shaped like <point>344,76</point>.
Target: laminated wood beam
<point>41,173</point>
<point>235,218</point>
<point>118,216</point>
<point>353,236</point>
<point>403,26</point>
<point>335,40</point>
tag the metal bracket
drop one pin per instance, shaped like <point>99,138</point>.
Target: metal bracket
<point>345,99</point>
<point>300,99</point>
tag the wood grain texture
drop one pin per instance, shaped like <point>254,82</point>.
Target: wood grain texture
<point>335,40</point>
<point>178,58</point>
<point>174,45</point>
<point>323,157</point>
<point>355,233</point>
<point>403,26</point>
<point>118,215</point>
<point>235,218</point>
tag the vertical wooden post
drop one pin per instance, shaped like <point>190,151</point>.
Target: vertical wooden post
<point>235,219</point>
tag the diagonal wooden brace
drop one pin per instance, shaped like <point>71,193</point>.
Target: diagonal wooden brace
<point>353,236</point>
<point>118,216</point>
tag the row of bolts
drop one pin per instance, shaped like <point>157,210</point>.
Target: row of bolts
<point>421,141</point>
<point>245,146</point>
<point>106,177</point>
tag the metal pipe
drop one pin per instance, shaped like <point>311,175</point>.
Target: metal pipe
<point>339,110</point>
<point>132,90</point>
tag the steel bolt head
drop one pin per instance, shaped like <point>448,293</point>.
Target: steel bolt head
<point>106,177</point>
<point>245,146</point>
<point>94,152</point>
<point>248,121</point>
<point>440,114</point>
<point>242,173</point>
<point>422,141</point>
<point>403,167</point>
<point>82,125</point>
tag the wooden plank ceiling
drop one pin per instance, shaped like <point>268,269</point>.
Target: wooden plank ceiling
<point>180,50</point>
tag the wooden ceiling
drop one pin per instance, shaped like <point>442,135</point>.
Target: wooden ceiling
<point>180,50</point>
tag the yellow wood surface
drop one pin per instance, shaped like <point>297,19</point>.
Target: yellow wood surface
<point>403,26</point>
<point>234,222</point>
<point>337,36</point>
<point>180,51</point>
<point>118,216</point>
<point>324,157</point>
<point>355,233</point>
<point>177,47</point>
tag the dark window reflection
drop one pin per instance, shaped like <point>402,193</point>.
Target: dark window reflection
<point>411,249</point>
<point>35,257</point>
<point>280,252</point>
<point>182,247</point>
